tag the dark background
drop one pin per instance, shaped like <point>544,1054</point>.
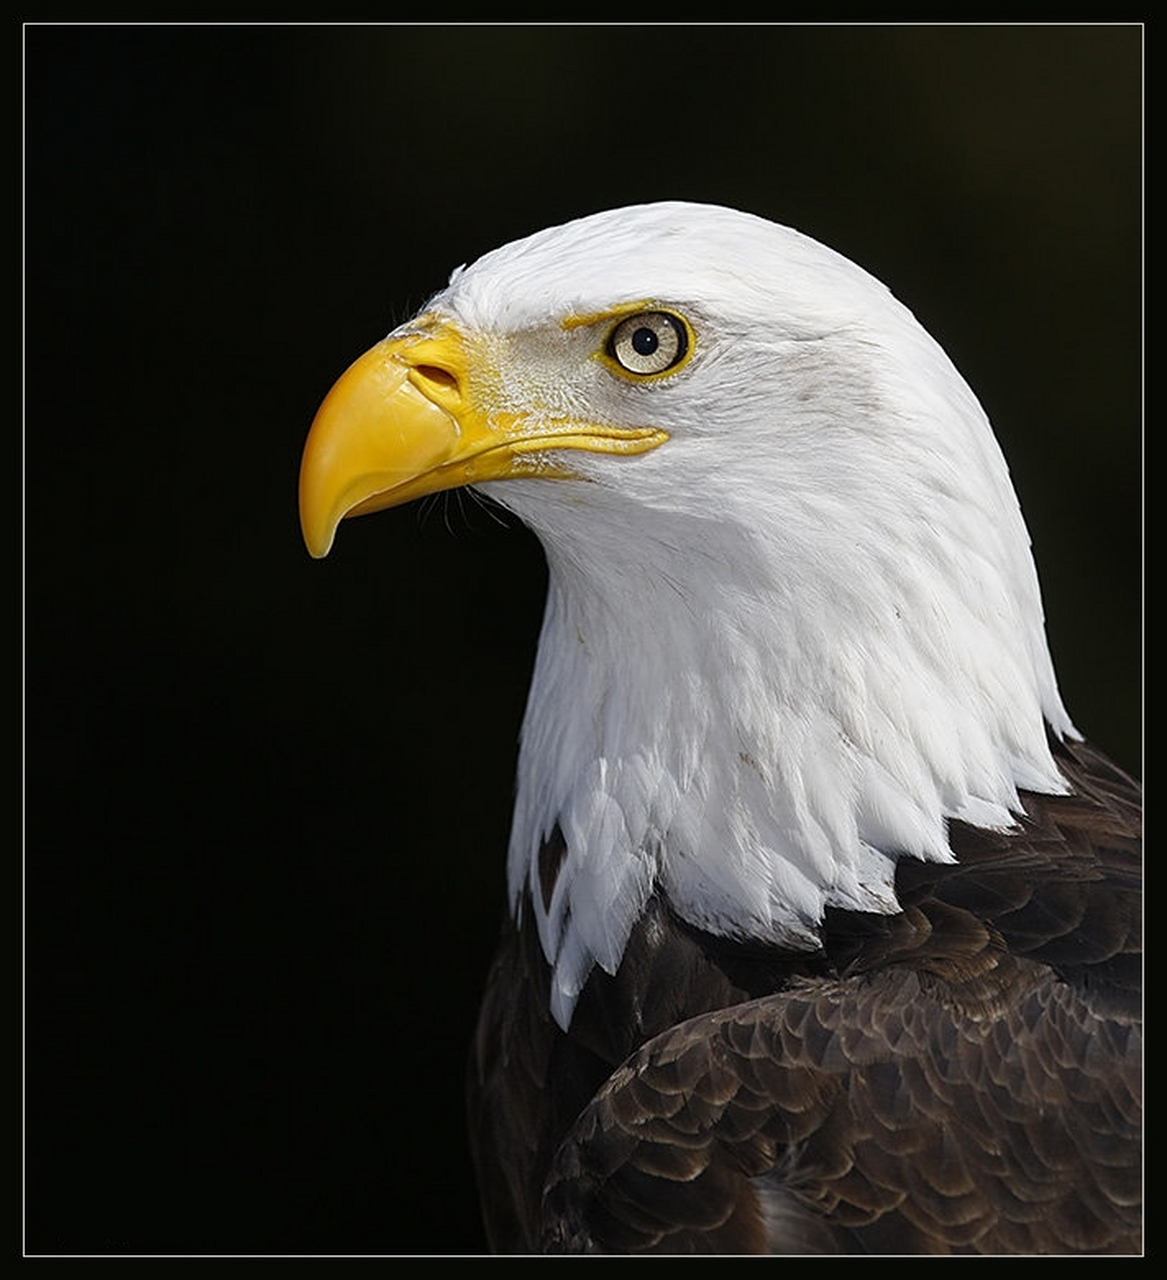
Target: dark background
<point>267,799</point>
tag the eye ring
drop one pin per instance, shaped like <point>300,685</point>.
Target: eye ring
<point>649,343</point>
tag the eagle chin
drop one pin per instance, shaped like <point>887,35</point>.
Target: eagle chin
<point>825,921</point>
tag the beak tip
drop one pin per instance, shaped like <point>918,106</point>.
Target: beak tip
<point>319,543</point>
<point>318,519</point>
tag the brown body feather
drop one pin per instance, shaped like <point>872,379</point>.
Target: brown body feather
<point>962,1077</point>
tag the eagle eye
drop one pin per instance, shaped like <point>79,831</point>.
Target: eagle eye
<point>650,342</point>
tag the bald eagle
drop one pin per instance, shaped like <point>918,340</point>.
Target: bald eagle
<point>824,927</point>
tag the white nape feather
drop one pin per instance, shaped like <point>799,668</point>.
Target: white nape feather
<point>786,647</point>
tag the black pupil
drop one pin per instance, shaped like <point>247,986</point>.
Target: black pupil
<point>644,342</point>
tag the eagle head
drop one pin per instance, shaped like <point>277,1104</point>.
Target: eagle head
<point>793,625</point>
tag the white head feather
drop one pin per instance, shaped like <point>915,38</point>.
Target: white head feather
<point>783,649</point>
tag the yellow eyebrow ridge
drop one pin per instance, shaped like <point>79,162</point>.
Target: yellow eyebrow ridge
<point>576,321</point>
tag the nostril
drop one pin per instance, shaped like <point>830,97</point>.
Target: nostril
<point>436,374</point>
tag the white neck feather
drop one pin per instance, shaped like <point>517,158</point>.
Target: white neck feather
<point>782,650</point>
<point>756,710</point>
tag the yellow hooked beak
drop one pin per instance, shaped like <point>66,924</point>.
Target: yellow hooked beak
<point>404,421</point>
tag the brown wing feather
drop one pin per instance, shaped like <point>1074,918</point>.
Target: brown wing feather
<point>879,1105</point>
